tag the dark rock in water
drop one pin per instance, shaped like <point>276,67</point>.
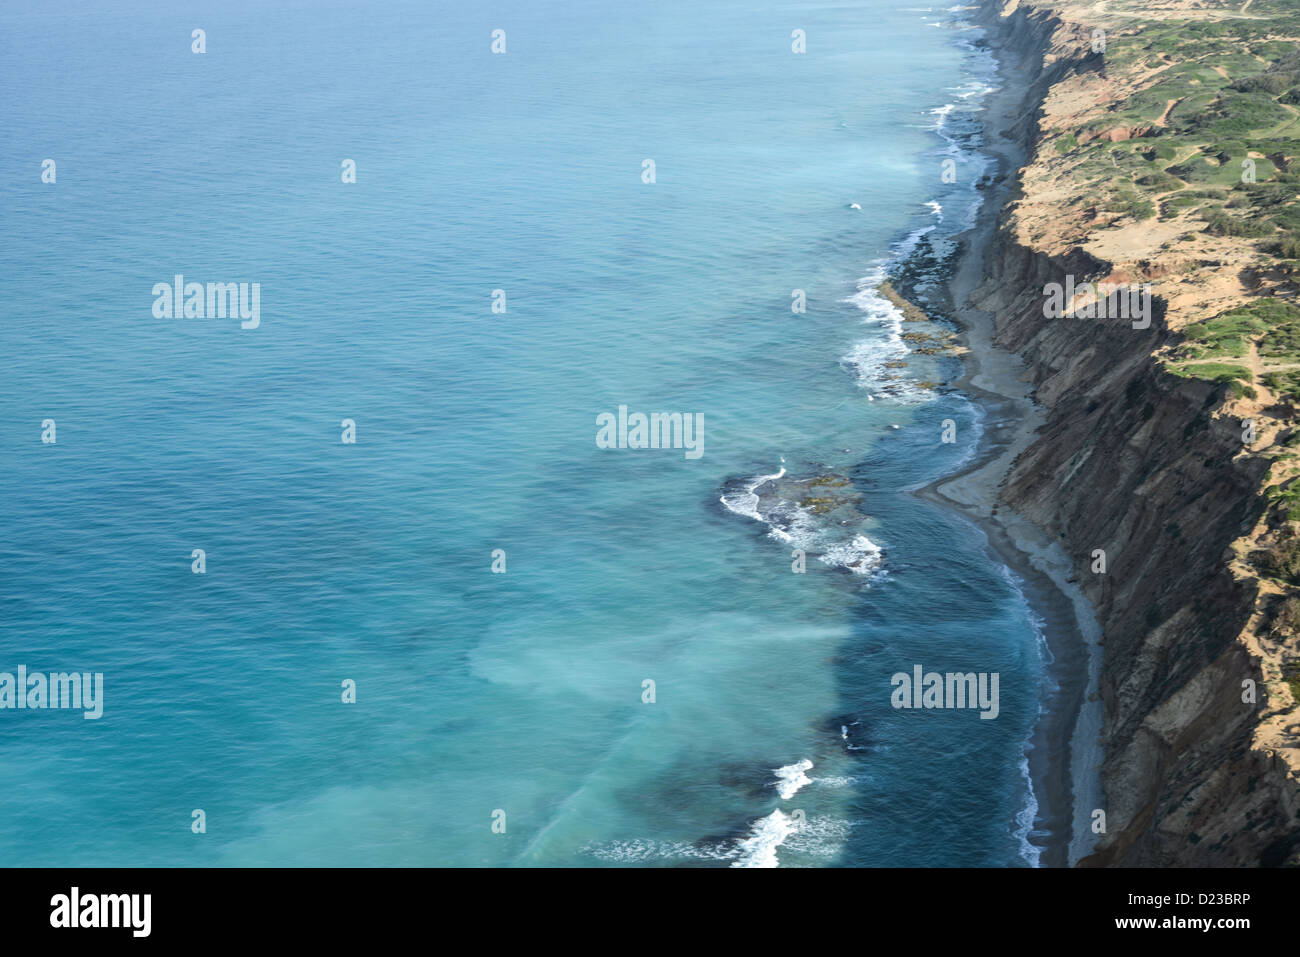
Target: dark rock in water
<point>849,731</point>
<point>733,836</point>
<point>821,494</point>
<point>835,722</point>
<point>754,780</point>
<point>817,512</point>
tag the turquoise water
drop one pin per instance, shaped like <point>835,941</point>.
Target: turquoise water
<point>479,692</point>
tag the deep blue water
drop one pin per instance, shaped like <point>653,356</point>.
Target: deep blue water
<point>479,692</point>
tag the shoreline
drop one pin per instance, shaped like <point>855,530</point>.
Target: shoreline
<point>1064,749</point>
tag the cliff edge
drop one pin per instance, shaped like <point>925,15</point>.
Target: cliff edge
<point>1160,144</point>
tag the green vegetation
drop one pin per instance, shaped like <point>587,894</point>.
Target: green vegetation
<point>1160,181</point>
<point>1213,371</point>
<point>1286,619</point>
<point>1291,675</point>
<point>1280,561</point>
<point>1221,337</point>
<point>1221,223</point>
<point>1287,248</point>
<point>1287,496</point>
<point>1272,324</point>
<point>1222,117</point>
<point>1130,204</point>
<point>1286,386</point>
<point>1282,340</point>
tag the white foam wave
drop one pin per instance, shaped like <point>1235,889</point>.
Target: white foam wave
<point>866,358</point>
<point>972,88</point>
<point>791,778</point>
<point>745,500</point>
<point>766,835</point>
<point>799,527</point>
<point>820,837</point>
<point>1025,818</point>
<point>942,112</point>
<point>1036,621</point>
<point>861,556</point>
<point>1029,811</point>
<point>837,781</point>
<point>636,851</point>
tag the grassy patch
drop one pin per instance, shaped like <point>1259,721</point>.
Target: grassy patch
<point>1291,675</point>
<point>1212,371</point>
<point>1286,386</point>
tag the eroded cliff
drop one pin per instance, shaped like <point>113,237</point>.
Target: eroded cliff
<point>1153,460</point>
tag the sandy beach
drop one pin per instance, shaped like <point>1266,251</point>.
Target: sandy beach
<point>1064,752</point>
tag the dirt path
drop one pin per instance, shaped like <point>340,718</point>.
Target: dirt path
<point>1164,117</point>
<point>1257,364</point>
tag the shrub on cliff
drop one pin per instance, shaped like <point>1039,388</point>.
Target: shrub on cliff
<point>1240,114</point>
<point>1285,387</point>
<point>1128,204</point>
<point>1285,624</point>
<point>1160,180</point>
<point>1287,248</point>
<point>1220,223</point>
<point>1291,675</point>
<point>1161,151</point>
<point>1280,560</point>
<point>1274,83</point>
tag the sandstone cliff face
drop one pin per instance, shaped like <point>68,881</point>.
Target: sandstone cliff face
<point>1151,468</point>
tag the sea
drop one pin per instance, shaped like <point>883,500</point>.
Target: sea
<point>363,582</point>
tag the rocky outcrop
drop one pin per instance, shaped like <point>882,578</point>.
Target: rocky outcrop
<point>1157,473</point>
